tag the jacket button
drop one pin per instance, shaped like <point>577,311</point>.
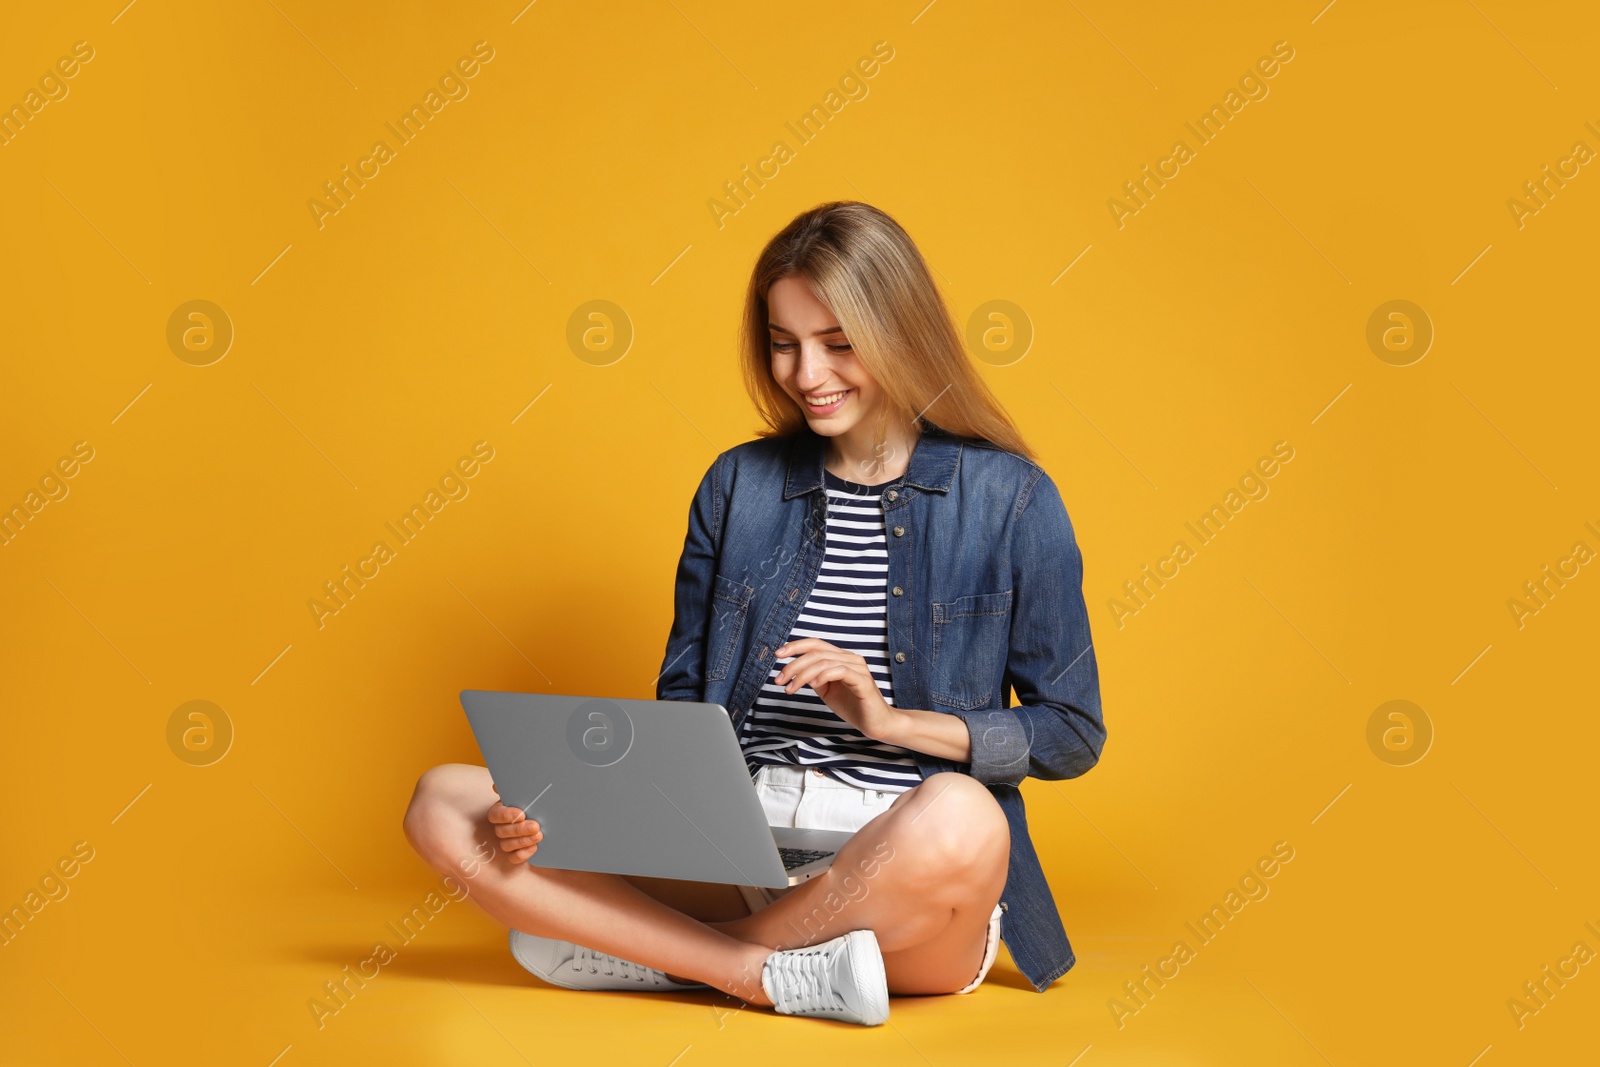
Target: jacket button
<point>898,591</point>
<point>899,657</point>
<point>892,495</point>
<point>899,531</point>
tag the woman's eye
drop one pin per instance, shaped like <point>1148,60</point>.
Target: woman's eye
<point>786,346</point>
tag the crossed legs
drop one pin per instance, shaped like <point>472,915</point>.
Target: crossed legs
<point>924,876</point>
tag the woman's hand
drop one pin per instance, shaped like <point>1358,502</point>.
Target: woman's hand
<point>519,835</point>
<point>844,682</point>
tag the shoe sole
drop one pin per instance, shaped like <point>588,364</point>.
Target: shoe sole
<point>517,945</point>
<point>873,972</point>
<point>527,940</point>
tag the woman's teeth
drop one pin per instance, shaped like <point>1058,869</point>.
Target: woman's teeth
<point>824,401</point>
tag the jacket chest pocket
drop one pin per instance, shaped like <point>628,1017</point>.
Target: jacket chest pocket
<point>730,603</point>
<point>970,636</point>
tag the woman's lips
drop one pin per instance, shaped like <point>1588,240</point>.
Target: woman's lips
<point>830,408</point>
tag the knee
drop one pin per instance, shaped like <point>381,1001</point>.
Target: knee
<point>962,824</point>
<point>427,818</point>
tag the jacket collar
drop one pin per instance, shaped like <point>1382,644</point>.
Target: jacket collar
<point>932,466</point>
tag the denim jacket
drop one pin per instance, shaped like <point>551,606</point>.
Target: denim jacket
<point>985,582</point>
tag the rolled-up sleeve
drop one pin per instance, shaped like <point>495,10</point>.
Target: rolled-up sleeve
<point>1056,730</point>
<point>682,674</point>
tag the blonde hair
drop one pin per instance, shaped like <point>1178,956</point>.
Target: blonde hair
<point>866,269</point>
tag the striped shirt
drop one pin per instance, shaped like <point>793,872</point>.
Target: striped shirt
<point>847,607</point>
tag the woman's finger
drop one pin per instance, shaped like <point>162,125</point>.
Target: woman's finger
<point>501,826</point>
<point>801,668</point>
<point>832,672</point>
<point>838,676</point>
<point>515,844</point>
<point>801,646</point>
<point>813,650</point>
<point>813,672</point>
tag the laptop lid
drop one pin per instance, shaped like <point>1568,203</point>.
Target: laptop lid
<point>655,788</point>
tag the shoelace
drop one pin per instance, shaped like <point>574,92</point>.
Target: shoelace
<point>803,976</point>
<point>596,962</point>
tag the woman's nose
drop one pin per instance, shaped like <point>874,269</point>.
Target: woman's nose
<point>811,369</point>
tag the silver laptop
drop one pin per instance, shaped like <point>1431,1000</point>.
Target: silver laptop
<point>655,788</point>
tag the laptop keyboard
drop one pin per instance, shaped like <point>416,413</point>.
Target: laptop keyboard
<point>799,857</point>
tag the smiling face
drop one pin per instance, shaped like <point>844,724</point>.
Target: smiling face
<point>812,360</point>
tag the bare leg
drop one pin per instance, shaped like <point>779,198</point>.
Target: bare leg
<point>924,876</point>
<point>446,824</point>
<point>707,901</point>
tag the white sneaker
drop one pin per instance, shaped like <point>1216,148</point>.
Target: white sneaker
<point>840,979</point>
<point>573,966</point>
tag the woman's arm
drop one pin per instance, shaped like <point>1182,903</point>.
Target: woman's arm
<point>682,670</point>
<point>1056,730</point>
<point>932,732</point>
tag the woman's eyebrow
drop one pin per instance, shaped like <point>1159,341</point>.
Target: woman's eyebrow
<point>820,333</point>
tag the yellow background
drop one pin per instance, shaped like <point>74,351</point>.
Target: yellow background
<point>432,310</point>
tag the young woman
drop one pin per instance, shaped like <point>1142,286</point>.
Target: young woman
<point>862,588</point>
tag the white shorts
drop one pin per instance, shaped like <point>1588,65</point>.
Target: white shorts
<point>806,797</point>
